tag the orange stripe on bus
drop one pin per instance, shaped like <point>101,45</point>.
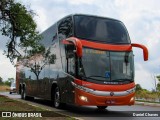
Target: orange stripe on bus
<point>105,87</point>
<point>103,46</point>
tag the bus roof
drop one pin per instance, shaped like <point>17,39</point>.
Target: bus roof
<point>96,16</point>
<point>80,15</point>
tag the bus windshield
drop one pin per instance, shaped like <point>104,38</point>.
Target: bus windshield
<point>106,66</point>
<point>100,29</point>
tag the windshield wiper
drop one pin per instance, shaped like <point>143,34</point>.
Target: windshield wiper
<point>97,76</point>
<point>94,77</point>
<point>90,77</point>
<point>122,80</point>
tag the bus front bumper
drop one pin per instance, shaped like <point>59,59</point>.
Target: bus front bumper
<point>88,99</point>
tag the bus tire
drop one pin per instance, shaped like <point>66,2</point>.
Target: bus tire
<point>102,107</point>
<point>56,98</point>
<point>23,94</point>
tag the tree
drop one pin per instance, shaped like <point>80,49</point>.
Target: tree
<point>138,87</point>
<point>1,80</point>
<point>158,85</point>
<point>16,22</point>
<point>9,81</point>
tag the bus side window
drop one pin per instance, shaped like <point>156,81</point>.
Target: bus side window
<point>70,59</point>
<point>65,28</point>
<point>71,66</point>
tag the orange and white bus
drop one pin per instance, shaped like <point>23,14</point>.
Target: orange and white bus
<point>87,60</point>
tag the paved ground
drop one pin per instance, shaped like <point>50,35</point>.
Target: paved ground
<point>92,113</point>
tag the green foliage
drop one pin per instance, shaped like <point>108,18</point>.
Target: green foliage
<point>1,80</point>
<point>1,83</point>
<point>8,83</point>
<point>17,23</point>
<point>147,95</point>
<point>158,77</point>
<point>10,79</point>
<point>158,85</point>
<point>138,87</point>
<point>36,49</point>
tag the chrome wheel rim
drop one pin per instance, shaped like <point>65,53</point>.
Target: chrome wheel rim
<point>57,98</point>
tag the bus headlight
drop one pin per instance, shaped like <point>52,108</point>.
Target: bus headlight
<point>132,99</point>
<point>83,98</point>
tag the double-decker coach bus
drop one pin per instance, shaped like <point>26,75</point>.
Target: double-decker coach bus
<point>86,60</point>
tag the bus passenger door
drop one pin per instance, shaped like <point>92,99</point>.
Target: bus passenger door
<point>70,59</point>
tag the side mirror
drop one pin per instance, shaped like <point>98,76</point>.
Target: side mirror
<point>145,50</point>
<point>76,43</point>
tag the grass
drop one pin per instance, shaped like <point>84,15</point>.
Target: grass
<point>13,105</point>
<point>7,104</point>
<point>4,88</point>
<point>147,101</point>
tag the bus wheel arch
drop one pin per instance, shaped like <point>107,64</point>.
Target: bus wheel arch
<point>54,85</point>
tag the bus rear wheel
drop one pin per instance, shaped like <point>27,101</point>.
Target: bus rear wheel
<point>102,107</point>
<point>24,96</point>
<point>23,93</point>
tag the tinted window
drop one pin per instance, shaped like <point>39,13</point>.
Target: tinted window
<point>100,29</point>
<point>95,67</point>
<point>65,28</point>
<point>110,66</point>
<point>71,66</point>
<point>121,65</point>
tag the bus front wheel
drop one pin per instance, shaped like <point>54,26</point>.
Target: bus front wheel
<point>56,99</point>
<point>102,107</point>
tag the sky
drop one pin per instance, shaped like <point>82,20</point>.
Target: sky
<point>141,17</point>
